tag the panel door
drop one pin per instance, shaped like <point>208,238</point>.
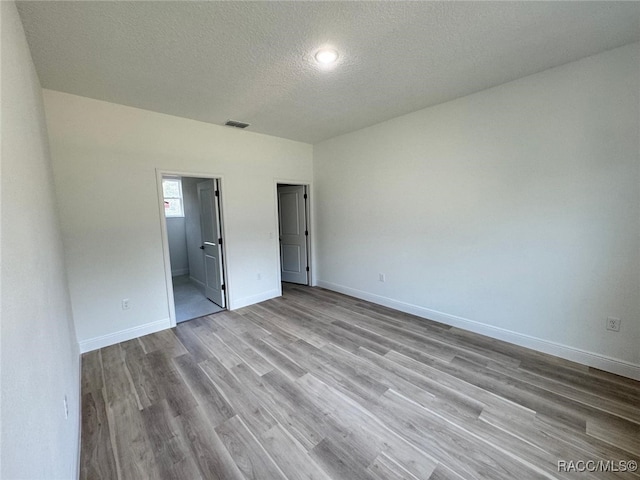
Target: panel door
<point>293,238</point>
<point>211,237</point>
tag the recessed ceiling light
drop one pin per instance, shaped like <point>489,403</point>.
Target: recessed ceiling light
<point>326,56</point>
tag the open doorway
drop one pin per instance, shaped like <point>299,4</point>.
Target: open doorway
<point>193,220</point>
<point>293,229</point>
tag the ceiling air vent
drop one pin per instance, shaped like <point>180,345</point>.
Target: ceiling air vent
<point>233,123</point>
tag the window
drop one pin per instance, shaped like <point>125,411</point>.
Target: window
<point>172,192</point>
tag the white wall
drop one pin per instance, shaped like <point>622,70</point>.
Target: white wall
<point>516,208</point>
<point>39,352</point>
<point>177,238</point>
<point>192,227</point>
<point>105,158</point>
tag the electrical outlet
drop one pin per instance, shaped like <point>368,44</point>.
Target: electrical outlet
<point>613,324</point>
<point>66,407</point>
<point>126,305</point>
<point>382,277</point>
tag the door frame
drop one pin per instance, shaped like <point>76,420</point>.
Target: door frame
<point>310,226</point>
<point>164,236</point>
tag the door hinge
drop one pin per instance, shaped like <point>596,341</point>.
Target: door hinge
<point>220,241</point>
<point>307,268</point>
<point>305,196</point>
<point>223,287</point>
<point>217,193</point>
<point>306,232</point>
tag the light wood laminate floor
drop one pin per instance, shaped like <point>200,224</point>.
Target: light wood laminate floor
<point>318,385</point>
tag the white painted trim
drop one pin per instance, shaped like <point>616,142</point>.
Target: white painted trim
<point>164,236</point>
<point>591,359</point>
<point>312,235</point>
<point>181,271</point>
<point>79,415</point>
<point>261,297</point>
<point>124,335</point>
<point>196,281</point>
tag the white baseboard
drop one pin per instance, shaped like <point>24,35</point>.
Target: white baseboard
<point>261,297</point>
<point>181,271</point>
<point>196,281</point>
<point>79,418</point>
<point>123,335</point>
<point>596,360</point>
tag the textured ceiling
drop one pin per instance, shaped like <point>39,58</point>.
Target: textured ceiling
<point>252,61</point>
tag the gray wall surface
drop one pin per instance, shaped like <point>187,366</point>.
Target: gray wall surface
<point>177,246</point>
<point>192,227</point>
<point>40,358</point>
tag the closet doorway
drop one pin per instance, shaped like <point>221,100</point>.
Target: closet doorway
<point>293,231</point>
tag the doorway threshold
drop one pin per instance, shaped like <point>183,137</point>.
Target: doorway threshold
<point>190,301</point>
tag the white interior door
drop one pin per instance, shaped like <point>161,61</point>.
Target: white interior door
<point>211,241</point>
<point>292,213</point>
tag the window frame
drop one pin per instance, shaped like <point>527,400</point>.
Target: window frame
<point>177,180</point>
